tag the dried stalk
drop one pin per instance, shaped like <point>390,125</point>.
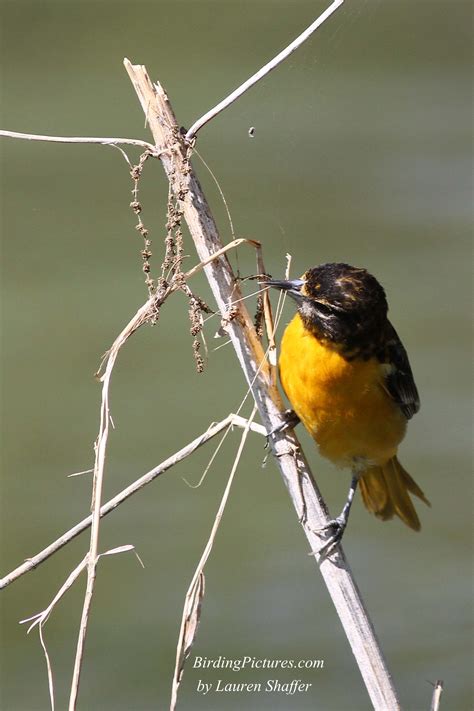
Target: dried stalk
<point>79,139</point>
<point>40,618</point>
<point>195,593</point>
<point>142,316</point>
<point>310,507</point>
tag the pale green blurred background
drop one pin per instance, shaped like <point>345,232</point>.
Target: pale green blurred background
<point>361,154</point>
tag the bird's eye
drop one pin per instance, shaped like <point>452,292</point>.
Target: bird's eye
<point>324,309</point>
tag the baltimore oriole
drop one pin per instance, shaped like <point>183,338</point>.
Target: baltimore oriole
<point>348,379</point>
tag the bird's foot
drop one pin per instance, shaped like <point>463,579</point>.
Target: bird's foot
<point>290,420</point>
<point>336,526</point>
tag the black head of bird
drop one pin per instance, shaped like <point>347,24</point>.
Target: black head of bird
<point>342,304</point>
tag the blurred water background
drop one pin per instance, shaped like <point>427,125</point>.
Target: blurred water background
<point>361,154</point>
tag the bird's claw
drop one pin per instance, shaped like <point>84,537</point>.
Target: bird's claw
<point>337,526</point>
<point>290,420</point>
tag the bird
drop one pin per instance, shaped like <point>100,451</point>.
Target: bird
<point>348,379</point>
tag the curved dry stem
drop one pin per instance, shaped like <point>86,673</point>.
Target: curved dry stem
<point>266,69</point>
<point>195,593</point>
<point>81,139</point>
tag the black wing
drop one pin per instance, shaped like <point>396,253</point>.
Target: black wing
<point>399,380</point>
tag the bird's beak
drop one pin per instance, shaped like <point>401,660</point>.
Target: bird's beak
<point>292,287</point>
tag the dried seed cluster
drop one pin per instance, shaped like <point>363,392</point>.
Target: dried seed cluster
<point>146,253</point>
<point>171,269</point>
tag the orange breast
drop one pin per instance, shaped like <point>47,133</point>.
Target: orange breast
<point>342,403</point>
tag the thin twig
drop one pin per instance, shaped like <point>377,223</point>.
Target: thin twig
<point>141,317</point>
<point>195,593</point>
<point>112,504</point>
<point>197,125</point>
<point>39,619</point>
<point>267,313</point>
<point>215,255</point>
<point>80,139</point>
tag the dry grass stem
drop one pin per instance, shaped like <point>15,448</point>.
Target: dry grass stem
<point>141,317</point>
<point>267,313</point>
<point>266,69</point>
<point>41,618</point>
<point>195,594</point>
<point>80,139</point>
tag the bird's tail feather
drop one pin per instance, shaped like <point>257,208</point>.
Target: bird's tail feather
<point>386,493</point>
